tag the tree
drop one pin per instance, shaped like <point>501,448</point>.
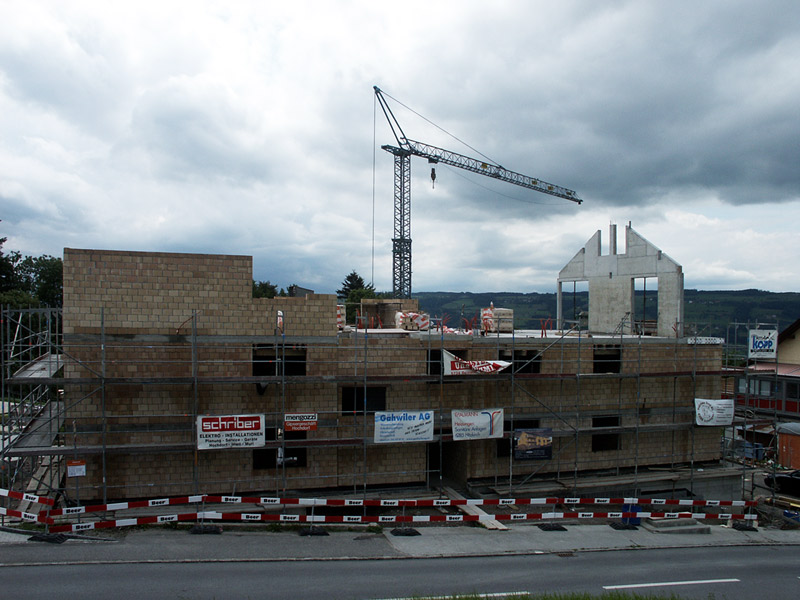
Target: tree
<point>264,289</point>
<point>354,290</point>
<point>8,269</point>
<point>43,278</point>
<point>17,299</point>
<point>356,296</point>
<point>353,281</point>
<point>30,280</point>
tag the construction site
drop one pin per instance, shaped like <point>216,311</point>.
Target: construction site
<point>162,376</point>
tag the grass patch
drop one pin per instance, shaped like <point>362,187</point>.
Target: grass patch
<point>611,595</point>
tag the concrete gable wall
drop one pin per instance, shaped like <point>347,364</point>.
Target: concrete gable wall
<point>611,287</point>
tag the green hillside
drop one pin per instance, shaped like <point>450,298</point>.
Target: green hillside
<point>710,313</point>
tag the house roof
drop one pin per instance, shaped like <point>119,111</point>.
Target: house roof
<point>791,428</point>
<point>784,369</point>
<point>789,331</point>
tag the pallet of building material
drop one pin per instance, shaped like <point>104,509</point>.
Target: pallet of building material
<point>411,321</point>
<point>496,320</point>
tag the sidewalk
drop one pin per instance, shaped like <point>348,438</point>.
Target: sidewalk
<point>237,544</point>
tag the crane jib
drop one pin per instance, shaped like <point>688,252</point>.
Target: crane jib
<point>488,169</point>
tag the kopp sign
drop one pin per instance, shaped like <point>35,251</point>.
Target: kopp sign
<point>762,343</point>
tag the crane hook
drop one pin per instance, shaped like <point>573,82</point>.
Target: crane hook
<point>433,177</point>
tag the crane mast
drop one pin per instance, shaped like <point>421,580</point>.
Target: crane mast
<point>403,151</point>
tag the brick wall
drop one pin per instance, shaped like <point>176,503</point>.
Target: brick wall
<point>158,293</point>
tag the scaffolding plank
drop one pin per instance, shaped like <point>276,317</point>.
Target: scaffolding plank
<point>470,509</point>
<point>44,428</point>
<point>44,367</point>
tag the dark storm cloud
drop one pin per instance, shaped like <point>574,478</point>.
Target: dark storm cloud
<point>635,101</point>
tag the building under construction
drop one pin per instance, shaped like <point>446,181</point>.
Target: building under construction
<point>163,376</point>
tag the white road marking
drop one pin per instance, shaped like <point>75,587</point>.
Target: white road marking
<point>668,583</point>
<point>499,595</point>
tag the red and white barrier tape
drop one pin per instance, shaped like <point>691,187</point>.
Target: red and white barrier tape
<point>125,522</point>
<point>77,510</point>
<point>213,515</point>
<point>26,516</point>
<point>27,497</point>
<point>470,501</point>
<point>276,501</point>
<point>261,517</point>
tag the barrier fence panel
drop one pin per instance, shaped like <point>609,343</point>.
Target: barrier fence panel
<point>47,517</point>
<point>27,497</point>
<point>387,519</point>
<point>402,503</point>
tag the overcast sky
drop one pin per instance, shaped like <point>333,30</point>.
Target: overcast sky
<point>251,128</point>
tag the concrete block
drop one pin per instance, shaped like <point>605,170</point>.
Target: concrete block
<point>683,525</point>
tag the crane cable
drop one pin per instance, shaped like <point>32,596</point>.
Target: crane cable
<point>462,175</point>
<point>374,160</point>
<point>443,130</point>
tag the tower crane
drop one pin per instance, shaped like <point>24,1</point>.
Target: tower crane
<point>405,149</point>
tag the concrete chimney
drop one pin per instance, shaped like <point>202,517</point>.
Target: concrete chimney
<point>612,239</point>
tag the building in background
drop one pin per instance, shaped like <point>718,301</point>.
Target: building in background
<point>767,391</point>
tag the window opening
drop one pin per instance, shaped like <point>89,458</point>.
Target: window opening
<point>272,360</point>
<point>603,442</point>
<point>607,358</point>
<point>274,458</point>
<point>434,362</point>
<point>525,361</point>
<point>353,400</point>
<point>645,305</point>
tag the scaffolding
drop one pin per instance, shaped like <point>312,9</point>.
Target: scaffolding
<point>31,406</point>
<point>752,441</point>
<point>618,408</point>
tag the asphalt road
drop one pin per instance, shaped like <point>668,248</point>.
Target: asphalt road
<point>733,573</point>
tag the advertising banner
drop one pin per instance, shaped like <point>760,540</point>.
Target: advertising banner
<point>712,413</point>
<point>300,422</point>
<point>403,426</point>
<point>763,343</point>
<point>477,424</point>
<point>455,366</point>
<point>230,431</point>
<point>533,444</point>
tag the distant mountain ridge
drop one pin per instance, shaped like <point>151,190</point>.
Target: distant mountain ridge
<point>708,313</point>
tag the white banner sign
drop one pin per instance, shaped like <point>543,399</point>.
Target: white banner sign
<point>76,468</point>
<point>477,424</point>
<point>763,343</point>
<point>404,426</point>
<point>455,366</point>
<point>230,431</point>
<point>713,412</point>
<point>300,422</point>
